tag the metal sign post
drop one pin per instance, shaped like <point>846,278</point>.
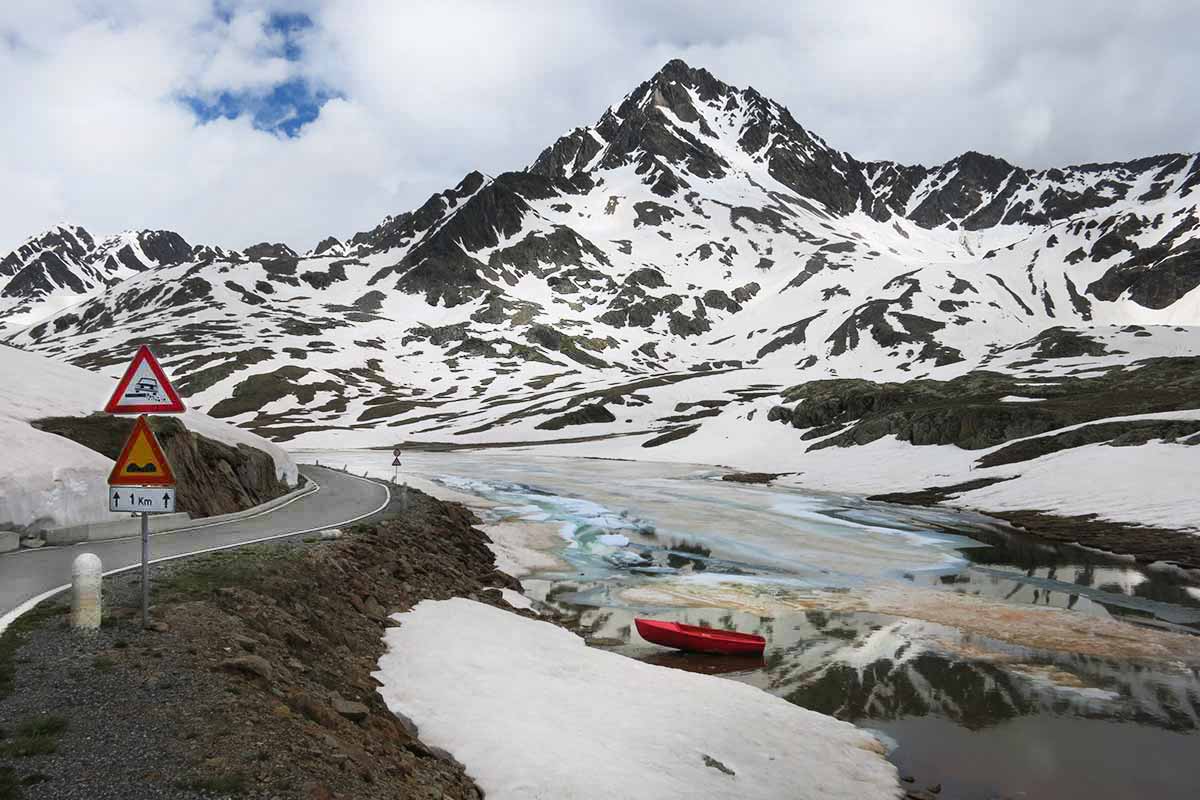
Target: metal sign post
<point>396,479</point>
<point>145,569</point>
<point>142,481</point>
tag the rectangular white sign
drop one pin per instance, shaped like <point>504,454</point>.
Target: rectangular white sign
<point>160,500</point>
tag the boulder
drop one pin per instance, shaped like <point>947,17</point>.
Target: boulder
<point>351,710</point>
<point>9,540</point>
<point>251,665</point>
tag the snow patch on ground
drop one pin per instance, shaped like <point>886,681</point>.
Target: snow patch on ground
<point>515,598</point>
<point>533,712</point>
<point>1144,485</point>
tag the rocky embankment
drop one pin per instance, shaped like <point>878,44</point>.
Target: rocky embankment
<point>213,477</point>
<point>984,409</point>
<point>258,682</point>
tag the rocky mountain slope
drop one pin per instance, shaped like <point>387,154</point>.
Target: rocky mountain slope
<point>665,273</point>
<point>65,265</point>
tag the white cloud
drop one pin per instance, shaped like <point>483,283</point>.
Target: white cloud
<point>96,133</point>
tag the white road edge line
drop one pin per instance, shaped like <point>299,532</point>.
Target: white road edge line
<point>178,530</point>
<point>11,616</point>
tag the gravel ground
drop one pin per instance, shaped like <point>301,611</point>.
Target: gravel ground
<point>120,722</point>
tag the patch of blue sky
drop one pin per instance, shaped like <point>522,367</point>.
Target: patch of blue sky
<point>289,25</point>
<point>284,108</point>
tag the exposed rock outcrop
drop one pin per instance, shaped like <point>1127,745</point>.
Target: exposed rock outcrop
<point>213,477</point>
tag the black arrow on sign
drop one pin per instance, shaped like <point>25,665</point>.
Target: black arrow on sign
<point>166,499</point>
<point>116,497</point>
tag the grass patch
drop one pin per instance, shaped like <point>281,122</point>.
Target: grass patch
<point>230,783</point>
<point>245,566</point>
<point>10,787</point>
<point>34,737</point>
<point>11,639</point>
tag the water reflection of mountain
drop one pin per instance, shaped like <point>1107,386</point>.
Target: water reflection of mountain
<point>1022,555</point>
<point>910,669</point>
<point>973,695</point>
<point>865,667</point>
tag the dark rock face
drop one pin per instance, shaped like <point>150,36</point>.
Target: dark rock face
<point>969,411</point>
<point>968,178</point>
<point>42,276</point>
<point>1156,276</point>
<point>214,478</point>
<point>326,245</point>
<point>268,250</point>
<point>585,415</point>
<point>71,243</point>
<point>164,247</point>
<point>874,317</point>
<point>1062,343</point>
<point>564,247</point>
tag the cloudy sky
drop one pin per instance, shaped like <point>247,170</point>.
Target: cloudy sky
<point>235,122</point>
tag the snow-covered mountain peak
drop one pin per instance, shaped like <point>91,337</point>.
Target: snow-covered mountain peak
<point>694,230</point>
<point>66,264</point>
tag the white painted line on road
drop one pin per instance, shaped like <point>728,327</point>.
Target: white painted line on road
<point>25,551</point>
<point>11,616</point>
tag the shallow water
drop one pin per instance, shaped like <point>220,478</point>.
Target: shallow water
<point>983,717</point>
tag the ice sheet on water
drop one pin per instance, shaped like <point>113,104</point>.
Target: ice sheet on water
<point>535,504</point>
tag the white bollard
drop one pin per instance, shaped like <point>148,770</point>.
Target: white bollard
<point>85,592</point>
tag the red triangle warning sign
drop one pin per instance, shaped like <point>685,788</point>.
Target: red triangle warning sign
<point>141,462</point>
<point>144,389</point>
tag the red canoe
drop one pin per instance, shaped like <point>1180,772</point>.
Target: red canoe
<point>699,640</point>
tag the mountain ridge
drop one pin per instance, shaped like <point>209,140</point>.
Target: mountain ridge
<point>681,262</point>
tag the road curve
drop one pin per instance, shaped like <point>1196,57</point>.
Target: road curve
<point>29,576</point>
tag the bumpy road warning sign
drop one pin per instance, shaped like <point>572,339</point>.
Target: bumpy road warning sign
<point>142,462</point>
<point>144,389</point>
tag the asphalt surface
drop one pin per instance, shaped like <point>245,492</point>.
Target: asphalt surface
<point>342,499</point>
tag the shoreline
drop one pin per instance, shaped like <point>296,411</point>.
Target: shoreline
<point>1150,546</point>
<point>1147,545</point>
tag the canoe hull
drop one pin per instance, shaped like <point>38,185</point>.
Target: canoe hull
<point>693,639</point>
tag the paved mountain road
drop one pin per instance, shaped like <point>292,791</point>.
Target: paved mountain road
<point>27,575</point>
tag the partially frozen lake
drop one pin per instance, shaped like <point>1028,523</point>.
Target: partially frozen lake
<point>955,638</point>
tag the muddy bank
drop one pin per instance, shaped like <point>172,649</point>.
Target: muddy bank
<point>1143,543</point>
<point>258,683</point>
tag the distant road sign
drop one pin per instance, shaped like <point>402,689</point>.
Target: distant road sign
<point>146,499</point>
<point>141,462</point>
<point>396,452</point>
<point>144,389</point>
<point>395,462</point>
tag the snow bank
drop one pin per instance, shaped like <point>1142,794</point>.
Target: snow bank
<point>47,481</point>
<point>1151,484</point>
<point>533,712</point>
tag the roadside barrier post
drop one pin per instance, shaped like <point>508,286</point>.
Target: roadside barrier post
<point>86,577</point>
